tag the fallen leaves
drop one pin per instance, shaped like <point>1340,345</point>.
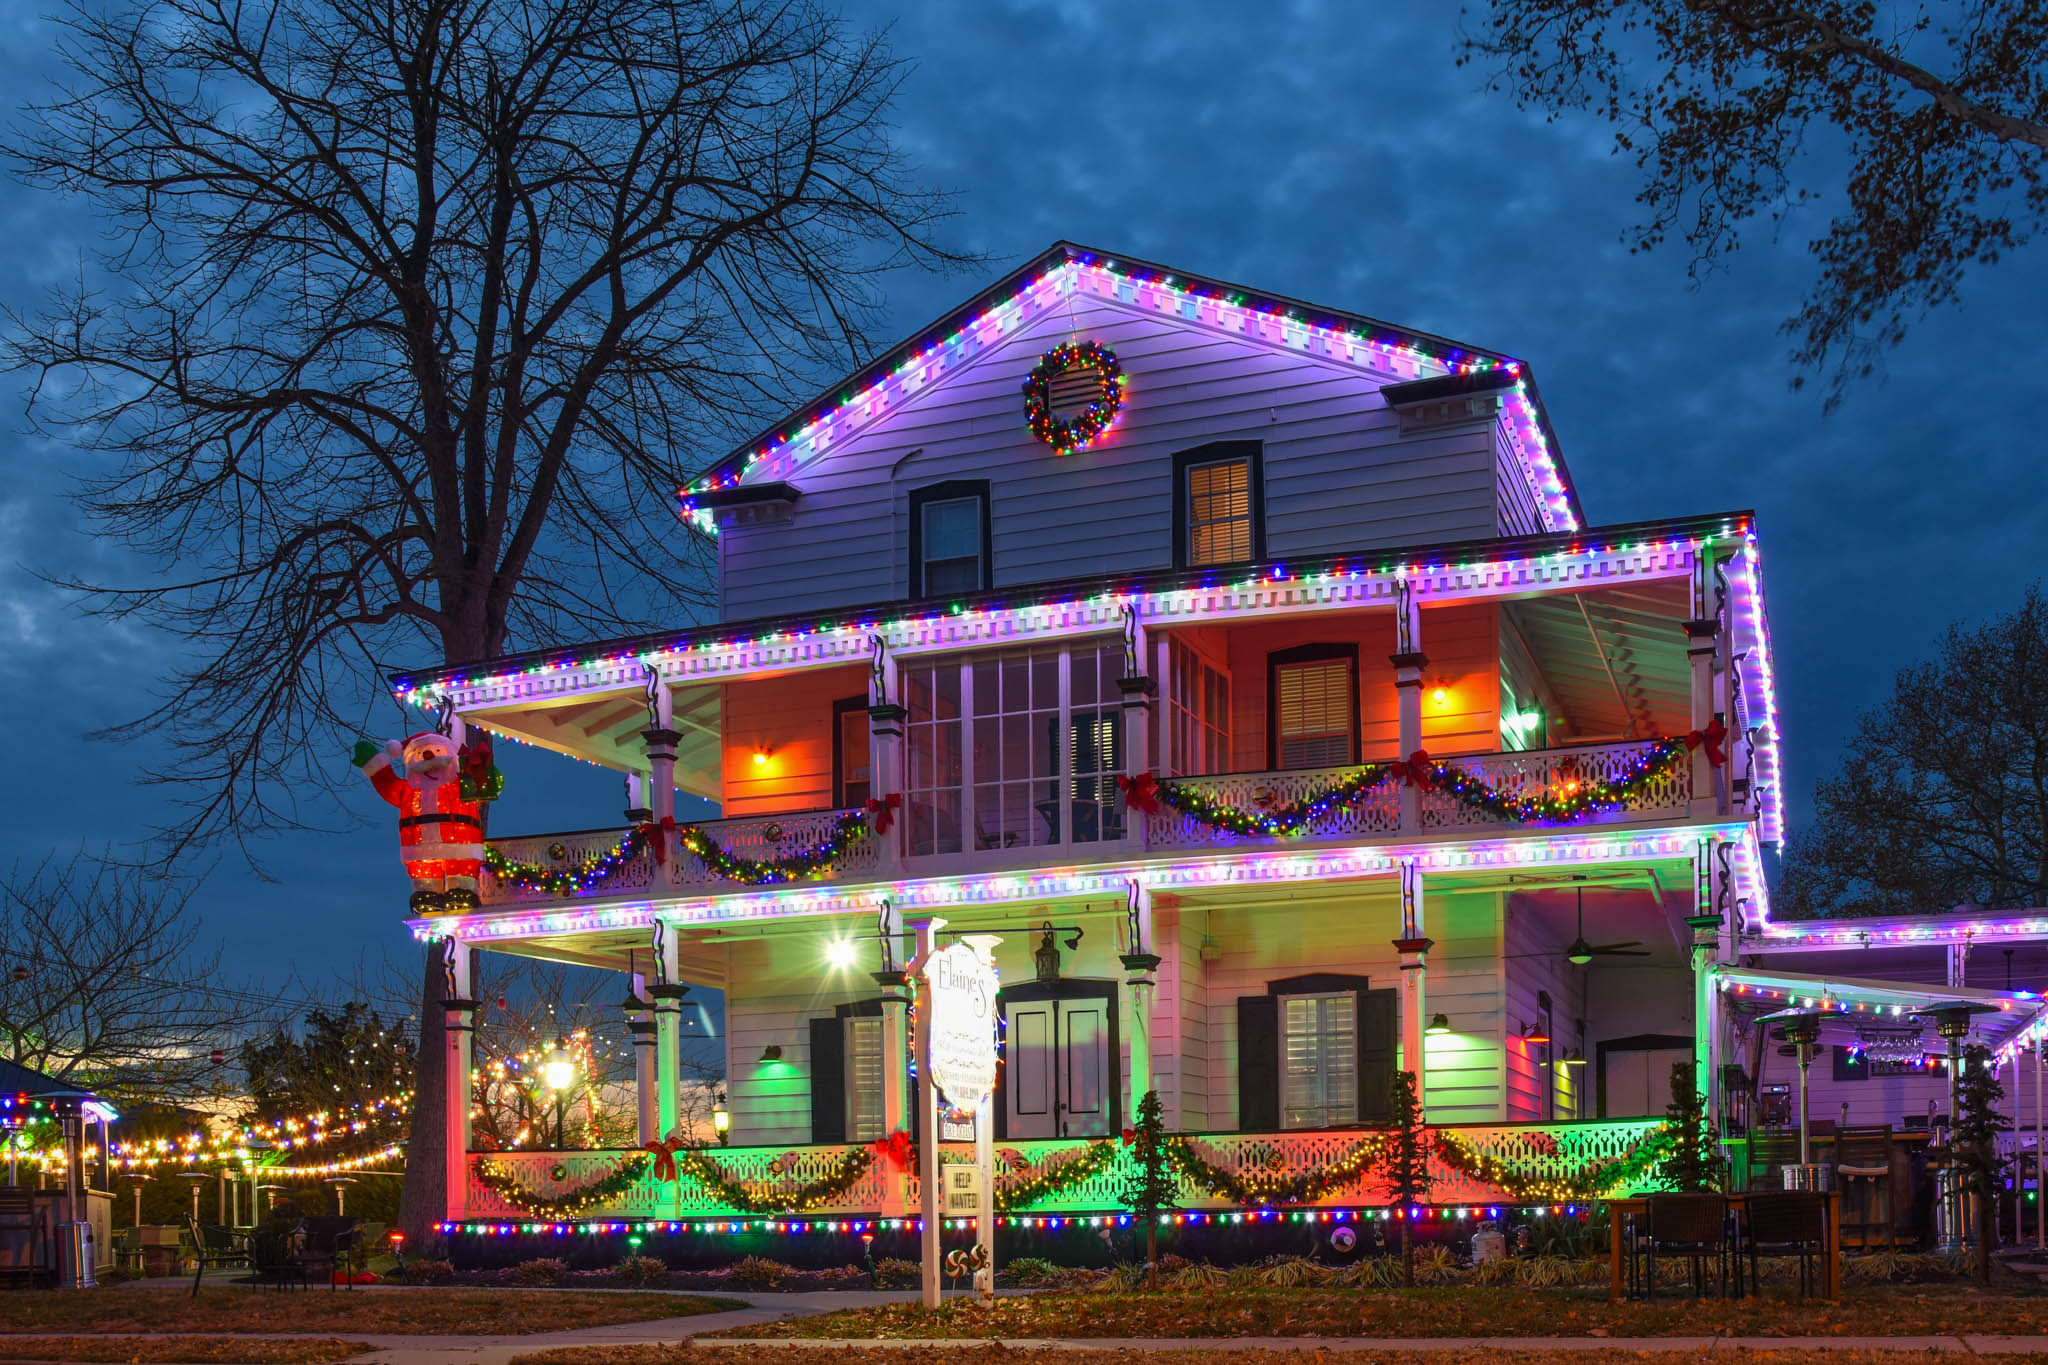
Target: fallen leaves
<point>999,1355</point>
<point>426,1311</point>
<point>184,1349</point>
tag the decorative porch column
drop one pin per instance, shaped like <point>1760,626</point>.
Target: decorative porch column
<point>459,1006</point>
<point>1139,690</point>
<point>895,988</point>
<point>1711,911</point>
<point>646,1087</point>
<point>1413,947</point>
<point>887,761</point>
<point>1141,966</point>
<point>1409,661</point>
<point>1702,648</point>
<point>667,994</point>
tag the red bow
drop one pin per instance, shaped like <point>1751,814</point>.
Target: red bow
<point>1140,792</point>
<point>665,1157</point>
<point>1712,738</point>
<point>474,760</point>
<point>1416,770</point>
<point>657,832</point>
<point>897,1149</point>
<point>882,813</point>
<point>1130,1136</point>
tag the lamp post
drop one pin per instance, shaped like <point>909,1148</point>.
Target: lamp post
<point>721,1118</point>
<point>559,1073</point>
<point>340,1184</point>
<point>136,1180</point>
<point>195,1179</point>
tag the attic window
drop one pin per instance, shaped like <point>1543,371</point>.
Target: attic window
<point>1071,393</point>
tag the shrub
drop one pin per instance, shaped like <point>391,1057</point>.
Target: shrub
<point>892,1272</point>
<point>1123,1279</point>
<point>428,1272</point>
<point>759,1270</point>
<point>1292,1272</point>
<point>642,1270</point>
<point>1028,1272</point>
<point>1437,1265</point>
<point>541,1271</point>
<point>1200,1276</point>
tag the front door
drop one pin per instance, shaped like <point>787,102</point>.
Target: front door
<point>1059,1060</point>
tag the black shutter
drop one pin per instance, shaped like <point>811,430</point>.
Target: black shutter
<point>1379,1035</point>
<point>828,1080</point>
<point>1258,1064</point>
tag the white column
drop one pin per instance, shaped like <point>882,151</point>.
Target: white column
<point>1141,967</point>
<point>1409,661</point>
<point>2040,1176</point>
<point>667,993</point>
<point>930,1195</point>
<point>646,1085</point>
<point>1413,947</point>
<point>888,760</point>
<point>458,1003</point>
<point>1959,963</point>
<point>1140,690</point>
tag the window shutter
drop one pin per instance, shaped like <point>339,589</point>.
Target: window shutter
<point>1379,1036</point>
<point>1258,1064</point>
<point>828,1080</point>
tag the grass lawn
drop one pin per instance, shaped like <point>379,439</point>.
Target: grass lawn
<point>211,1350</point>
<point>1463,1311</point>
<point>131,1308</point>
<point>996,1355</point>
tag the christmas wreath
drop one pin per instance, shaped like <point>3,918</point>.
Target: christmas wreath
<point>500,1179</point>
<point>1065,434</point>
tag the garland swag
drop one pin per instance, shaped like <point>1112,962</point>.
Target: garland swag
<point>1022,1191</point>
<point>1591,1182</point>
<point>1272,1185</point>
<point>499,1178</point>
<point>848,1169</point>
<point>595,868</point>
<point>1149,793</point>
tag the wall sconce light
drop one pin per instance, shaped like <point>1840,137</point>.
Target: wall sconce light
<point>1046,960</point>
<point>1572,1057</point>
<point>721,1117</point>
<point>762,752</point>
<point>1440,697</point>
<point>1534,1037</point>
<point>841,953</point>
<point>772,1053</point>
<point>1438,1023</point>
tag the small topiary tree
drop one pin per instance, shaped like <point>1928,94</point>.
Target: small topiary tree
<point>1978,1124</point>
<point>1150,1190</point>
<point>1691,1163</point>
<point>1407,1162</point>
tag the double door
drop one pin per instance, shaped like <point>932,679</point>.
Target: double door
<point>1059,1074</point>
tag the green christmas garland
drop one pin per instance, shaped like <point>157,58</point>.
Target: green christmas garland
<point>849,1168</point>
<point>1274,1187</point>
<point>1591,1182</point>
<point>1022,1191</point>
<point>1147,792</point>
<point>499,1178</point>
<point>596,868</point>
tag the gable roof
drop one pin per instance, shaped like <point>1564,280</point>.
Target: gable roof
<point>924,355</point>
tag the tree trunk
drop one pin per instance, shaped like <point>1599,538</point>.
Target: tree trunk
<point>1407,1253</point>
<point>1152,1251</point>
<point>423,1198</point>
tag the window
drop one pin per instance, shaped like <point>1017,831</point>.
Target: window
<point>1197,715</point>
<point>1313,707</point>
<point>864,1079</point>
<point>1014,750</point>
<point>1219,504</point>
<point>851,783</point>
<point>949,538</point>
<point>1318,1060</point>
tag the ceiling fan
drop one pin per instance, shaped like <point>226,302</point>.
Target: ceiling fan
<point>1579,952</point>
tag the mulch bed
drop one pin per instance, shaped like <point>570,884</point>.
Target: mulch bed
<point>997,1355</point>
<point>198,1350</point>
<point>434,1312</point>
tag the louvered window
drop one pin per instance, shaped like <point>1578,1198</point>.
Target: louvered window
<point>864,1080</point>
<point>1219,512</point>
<point>1319,1061</point>
<point>1070,393</point>
<point>1314,712</point>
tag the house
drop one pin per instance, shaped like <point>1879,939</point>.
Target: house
<point>1252,671</point>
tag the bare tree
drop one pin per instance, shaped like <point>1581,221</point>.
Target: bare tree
<point>1942,795</point>
<point>104,981</point>
<point>1730,108</point>
<point>414,318</point>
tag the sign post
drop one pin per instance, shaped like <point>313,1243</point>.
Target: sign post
<point>956,1071</point>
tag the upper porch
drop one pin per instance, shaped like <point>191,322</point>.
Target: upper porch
<point>1449,693</point>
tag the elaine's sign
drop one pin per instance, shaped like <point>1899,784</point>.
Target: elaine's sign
<point>962,985</point>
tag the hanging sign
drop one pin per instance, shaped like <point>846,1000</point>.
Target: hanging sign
<point>962,984</point>
<point>963,1191</point>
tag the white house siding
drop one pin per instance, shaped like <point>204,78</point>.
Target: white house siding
<point>1533,965</point>
<point>1187,1010</point>
<point>1354,936</point>
<point>1339,475</point>
<point>1520,513</point>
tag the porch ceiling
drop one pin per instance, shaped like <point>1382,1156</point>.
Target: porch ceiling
<point>605,730</point>
<point>1614,658</point>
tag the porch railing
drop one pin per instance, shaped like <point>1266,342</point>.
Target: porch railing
<point>1545,1160</point>
<point>1667,795</point>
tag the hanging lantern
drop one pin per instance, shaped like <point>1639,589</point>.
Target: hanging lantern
<point>1047,958</point>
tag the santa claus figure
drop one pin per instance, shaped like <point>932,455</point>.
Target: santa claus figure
<point>439,792</point>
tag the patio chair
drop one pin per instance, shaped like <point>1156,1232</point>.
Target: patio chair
<point>1694,1226</point>
<point>25,1251</point>
<point>214,1246</point>
<point>1863,1169</point>
<point>128,1248</point>
<point>327,1245</point>
<point>274,1255</point>
<point>1786,1223</point>
<point>1770,1151</point>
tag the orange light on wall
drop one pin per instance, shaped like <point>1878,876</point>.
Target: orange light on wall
<point>761,756</point>
<point>1441,697</point>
